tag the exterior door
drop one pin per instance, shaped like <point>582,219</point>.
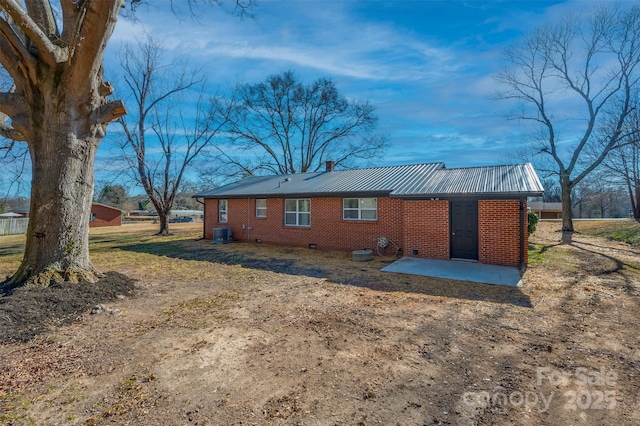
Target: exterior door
<point>464,229</point>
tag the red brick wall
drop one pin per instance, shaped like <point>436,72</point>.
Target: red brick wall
<point>105,216</point>
<point>426,228</point>
<point>499,233</point>
<point>526,234</point>
<point>328,230</point>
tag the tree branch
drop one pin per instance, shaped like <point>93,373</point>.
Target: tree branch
<point>9,132</point>
<point>108,112</point>
<point>50,53</point>
<point>11,104</point>
<point>40,11</point>
<point>95,23</point>
<point>24,60</point>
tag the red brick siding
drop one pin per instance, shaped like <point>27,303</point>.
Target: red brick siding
<point>105,216</point>
<point>426,228</point>
<point>526,234</point>
<point>328,230</point>
<point>499,232</point>
<point>421,225</point>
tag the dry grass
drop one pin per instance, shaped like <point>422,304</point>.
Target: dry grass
<point>626,230</point>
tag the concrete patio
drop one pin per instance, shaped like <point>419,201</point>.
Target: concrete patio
<point>457,270</point>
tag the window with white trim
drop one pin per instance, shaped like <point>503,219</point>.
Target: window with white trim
<point>261,207</point>
<point>223,210</point>
<point>297,212</point>
<point>360,208</point>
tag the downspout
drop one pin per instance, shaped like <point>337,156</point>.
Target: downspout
<point>522,265</point>
<point>204,210</point>
<point>248,217</point>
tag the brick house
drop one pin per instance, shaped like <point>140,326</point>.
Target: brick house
<point>476,213</point>
<point>103,215</point>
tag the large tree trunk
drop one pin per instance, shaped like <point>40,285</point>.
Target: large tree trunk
<point>567,221</point>
<point>164,223</point>
<point>58,105</point>
<point>62,154</point>
<point>163,213</point>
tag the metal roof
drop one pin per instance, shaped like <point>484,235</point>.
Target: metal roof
<point>409,181</point>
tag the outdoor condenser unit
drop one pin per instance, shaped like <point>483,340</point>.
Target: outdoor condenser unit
<point>221,235</point>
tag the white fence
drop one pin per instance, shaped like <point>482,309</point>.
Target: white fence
<point>14,226</point>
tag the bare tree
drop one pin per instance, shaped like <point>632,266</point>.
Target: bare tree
<point>161,143</point>
<point>59,106</point>
<point>599,196</point>
<point>624,163</point>
<point>569,79</point>
<point>282,126</point>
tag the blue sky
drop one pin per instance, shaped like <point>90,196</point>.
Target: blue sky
<point>427,66</point>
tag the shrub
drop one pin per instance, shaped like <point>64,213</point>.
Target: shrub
<point>533,222</point>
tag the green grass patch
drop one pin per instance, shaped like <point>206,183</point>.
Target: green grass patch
<point>537,254</point>
<point>553,255</point>
<point>620,230</point>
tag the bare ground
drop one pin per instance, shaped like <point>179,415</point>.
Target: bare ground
<point>255,334</point>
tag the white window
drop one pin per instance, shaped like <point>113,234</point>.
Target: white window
<point>360,208</point>
<point>297,212</point>
<point>261,207</point>
<point>93,217</point>
<point>223,206</point>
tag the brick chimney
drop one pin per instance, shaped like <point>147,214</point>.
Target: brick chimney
<point>330,166</point>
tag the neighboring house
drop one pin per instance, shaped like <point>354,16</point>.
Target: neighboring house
<point>476,213</point>
<point>22,211</point>
<point>103,215</point>
<point>546,210</point>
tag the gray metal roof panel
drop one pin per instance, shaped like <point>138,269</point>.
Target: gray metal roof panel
<point>514,179</point>
<point>398,181</point>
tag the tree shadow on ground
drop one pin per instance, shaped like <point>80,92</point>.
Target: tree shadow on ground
<point>341,271</point>
<point>593,264</point>
<point>593,261</point>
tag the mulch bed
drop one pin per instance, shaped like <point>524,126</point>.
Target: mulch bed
<point>27,312</point>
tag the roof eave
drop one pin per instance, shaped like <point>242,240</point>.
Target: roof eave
<point>339,194</point>
<point>513,194</point>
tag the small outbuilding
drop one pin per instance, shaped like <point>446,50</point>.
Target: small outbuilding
<point>546,210</point>
<point>103,215</point>
<point>429,211</point>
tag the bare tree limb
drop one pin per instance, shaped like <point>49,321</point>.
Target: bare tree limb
<point>23,58</point>
<point>95,22</point>
<point>9,132</point>
<point>48,51</point>
<point>109,112</point>
<point>42,14</point>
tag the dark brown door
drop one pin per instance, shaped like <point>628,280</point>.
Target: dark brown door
<point>464,229</point>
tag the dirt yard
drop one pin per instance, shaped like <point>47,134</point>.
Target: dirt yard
<point>190,333</point>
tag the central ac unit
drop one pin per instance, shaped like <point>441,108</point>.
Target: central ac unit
<point>221,235</point>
